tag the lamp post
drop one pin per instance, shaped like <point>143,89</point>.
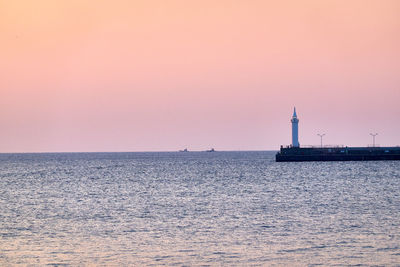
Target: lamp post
<point>321,135</point>
<point>373,138</point>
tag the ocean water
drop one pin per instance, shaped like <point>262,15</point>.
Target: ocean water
<point>196,209</point>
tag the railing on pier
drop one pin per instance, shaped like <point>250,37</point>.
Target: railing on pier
<point>324,146</point>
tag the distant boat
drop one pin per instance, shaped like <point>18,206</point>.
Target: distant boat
<point>211,150</point>
<point>185,150</point>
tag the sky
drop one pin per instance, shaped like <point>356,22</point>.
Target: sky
<point>96,75</point>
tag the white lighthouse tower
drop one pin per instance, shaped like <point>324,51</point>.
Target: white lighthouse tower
<point>295,129</point>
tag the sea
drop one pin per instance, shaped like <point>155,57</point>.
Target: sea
<point>196,209</point>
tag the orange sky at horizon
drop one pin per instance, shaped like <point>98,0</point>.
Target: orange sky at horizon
<point>165,75</point>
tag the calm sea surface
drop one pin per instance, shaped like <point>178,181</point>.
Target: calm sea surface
<point>196,208</point>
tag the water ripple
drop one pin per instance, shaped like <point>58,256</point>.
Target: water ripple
<point>196,209</point>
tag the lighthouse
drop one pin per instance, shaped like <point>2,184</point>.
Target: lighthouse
<point>295,129</point>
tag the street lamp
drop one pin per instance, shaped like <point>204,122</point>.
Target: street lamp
<point>321,135</point>
<point>373,138</point>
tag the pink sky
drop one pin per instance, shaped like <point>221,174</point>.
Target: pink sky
<point>164,75</point>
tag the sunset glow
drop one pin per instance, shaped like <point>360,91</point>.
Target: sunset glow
<point>165,75</point>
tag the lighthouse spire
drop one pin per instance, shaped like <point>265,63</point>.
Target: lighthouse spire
<point>295,129</point>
